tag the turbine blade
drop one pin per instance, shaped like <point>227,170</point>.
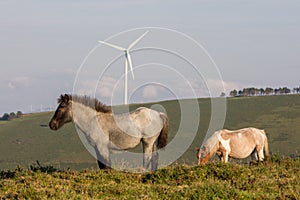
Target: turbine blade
<point>112,45</point>
<point>137,40</point>
<point>128,59</point>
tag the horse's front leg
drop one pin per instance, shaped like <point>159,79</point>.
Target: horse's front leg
<point>103,158</point>
<point>219,154</point>
<point>226,158</point>
<point>101,165</point>
<point>225,155</point>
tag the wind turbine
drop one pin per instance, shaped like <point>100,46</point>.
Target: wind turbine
<point>128,61</point>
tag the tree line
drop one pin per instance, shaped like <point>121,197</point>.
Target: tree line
<point>11,116</point>
<point>263,91</point>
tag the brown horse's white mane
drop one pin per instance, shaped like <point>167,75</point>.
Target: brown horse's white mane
<point>87,101</point>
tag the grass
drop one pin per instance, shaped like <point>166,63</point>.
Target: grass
<point>25,140</point>
<point>276,180</point>
<point>68,170</point>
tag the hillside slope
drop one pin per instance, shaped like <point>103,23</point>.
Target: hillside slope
<point>25,140</point>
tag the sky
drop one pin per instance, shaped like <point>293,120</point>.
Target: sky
<point>44,43</point>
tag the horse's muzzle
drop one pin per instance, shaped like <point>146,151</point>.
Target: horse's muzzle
<point>203,160</point>
<point>53,125</point>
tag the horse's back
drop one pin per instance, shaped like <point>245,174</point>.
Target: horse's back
<point>246,134</point>
<point>149,121</point>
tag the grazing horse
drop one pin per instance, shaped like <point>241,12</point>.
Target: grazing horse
<point>236,144</point>
<point>106,131</point>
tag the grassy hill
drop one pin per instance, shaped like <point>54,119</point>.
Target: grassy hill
<point>276,180</point>
<point>25,140</point>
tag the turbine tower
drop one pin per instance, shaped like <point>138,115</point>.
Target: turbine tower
<point>128,61</point>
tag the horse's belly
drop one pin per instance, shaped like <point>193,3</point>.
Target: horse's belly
<point>124,142</point>
<point>127,145</point>
<point>241,152</point>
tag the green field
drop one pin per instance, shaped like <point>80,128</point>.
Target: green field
<point>25,140</point>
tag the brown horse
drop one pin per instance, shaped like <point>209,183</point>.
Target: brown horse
<point>236,144</point>
<point>106,131</point>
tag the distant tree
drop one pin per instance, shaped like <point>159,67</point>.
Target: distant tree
<point>257,92</point>
<point>280,91</point>
<point>262,91</point>
<point>233,93</point>
<point>240,93</point>
<point>269,91</point>
<point>12,115</point>
<point>295,90</point>
<point>223,94</point>
<point>5,117</point>
<point>245,92</point>
<point>286,90</point>
<point>252,91</point>
<point>19,114</point>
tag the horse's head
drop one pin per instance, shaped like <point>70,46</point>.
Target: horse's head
<point>203,155</point>
<point>63,113</point>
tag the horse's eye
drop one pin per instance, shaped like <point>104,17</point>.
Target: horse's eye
<point>63,105</point>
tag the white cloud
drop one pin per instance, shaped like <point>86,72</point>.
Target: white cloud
<point>230,85</point>
<point>150,91</point>
<point>106,86</point>
<point>19,82</point>
<point>85,87</point>
<point>199,88</point>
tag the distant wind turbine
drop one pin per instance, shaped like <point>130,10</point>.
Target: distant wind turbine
<point>128,61</point>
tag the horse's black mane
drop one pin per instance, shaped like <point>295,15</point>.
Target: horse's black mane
<point>86,100</point>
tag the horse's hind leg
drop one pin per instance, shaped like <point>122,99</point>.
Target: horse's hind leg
<point>147,155</point>
<point>260,152</point>
<point>147,150</point>
<point>154,159</point>
<point>254,155</point>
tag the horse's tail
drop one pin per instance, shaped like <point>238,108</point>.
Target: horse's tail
<point>163,136</point>
<point>266,146</point>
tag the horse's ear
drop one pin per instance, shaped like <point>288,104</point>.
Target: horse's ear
<point>66,98</point>
<point>197,149</point>
<point>60,99</point>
